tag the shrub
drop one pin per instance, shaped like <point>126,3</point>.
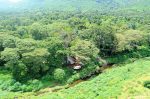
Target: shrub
<point>34,85</point>
<point>5,85</point>
<point>19,71</point>
<point>87,71</point>
<point>47,77</point>
<point>147,84</point>
<point>73,78</point>
<point>16,87</point>
<point>11,85</point>
<point>59,74</point>
<point>24,88</point>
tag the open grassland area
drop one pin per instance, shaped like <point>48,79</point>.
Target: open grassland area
<point>122,82</point>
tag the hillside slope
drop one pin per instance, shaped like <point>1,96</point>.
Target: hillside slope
<point>81,5</point>
<point>121,82</point>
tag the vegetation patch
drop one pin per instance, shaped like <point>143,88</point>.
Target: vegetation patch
<point>147,84</point>
<point>44,51</point>
<point>119,82</point>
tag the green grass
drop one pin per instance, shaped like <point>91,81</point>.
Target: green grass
<point>5,77</point>
<point>121,82</point>
<point>7,83</point>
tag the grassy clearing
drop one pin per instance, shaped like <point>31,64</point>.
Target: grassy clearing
<point>122,82</point>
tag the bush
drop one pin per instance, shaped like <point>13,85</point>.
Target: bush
<point>5,85</point>
<point>47,77</point>
<point>73,78</point>
<point>19,72</point>
<point>34,85</point>
<point>11,85</point>
<point>16,87</point>
<point>147,84</point>
<point>89,70</point>
<point>59,74</point>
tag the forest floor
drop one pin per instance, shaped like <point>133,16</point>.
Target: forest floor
<point>125,81</point>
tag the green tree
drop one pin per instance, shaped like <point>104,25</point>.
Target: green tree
<point>38,31</point>
<point>22,32</point>
<point>104,38</point>
<point>36,62</point>
<point>57,52</point>
<point>84,50</point>
<point>10,55</point>
<point>9,41</point>
<point>26,45</point>
<point>130,40</point>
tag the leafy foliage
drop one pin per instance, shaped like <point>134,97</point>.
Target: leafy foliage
<point>85,50</point>
<point>34,49</point>
<point>59,74</point>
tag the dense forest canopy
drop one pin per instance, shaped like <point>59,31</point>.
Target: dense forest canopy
<point>73,5</point>
<point>45,43</point>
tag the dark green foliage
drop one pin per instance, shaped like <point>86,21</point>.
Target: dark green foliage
<point>1,45</point>
<point>107,41</point>
<point>57,52</point>
<point>19,71</point>
<point>127,56</point>
<point>103,36</point>
<point>22,32</point>
<point>147,84</point>
<point>36,62</point>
